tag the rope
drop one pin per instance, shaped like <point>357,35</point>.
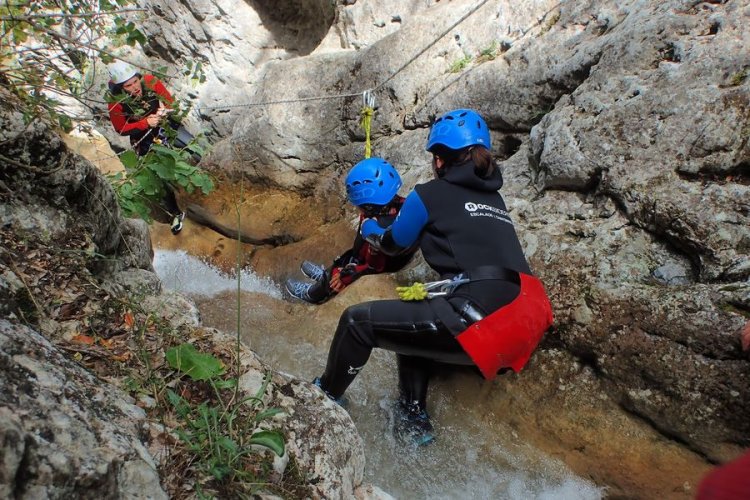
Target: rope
<point>416,291</point>
<point>367,95</point>
<point>282,101</point>
<point>436,40</point>
<point>368,109</point>
<point>378,86</point>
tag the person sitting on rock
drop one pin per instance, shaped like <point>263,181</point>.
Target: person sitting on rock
<point>138,105</point>
<point>372,187</point>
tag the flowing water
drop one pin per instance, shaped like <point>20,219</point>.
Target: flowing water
<point>474,457</point>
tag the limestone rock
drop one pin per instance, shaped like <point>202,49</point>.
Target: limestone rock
<point>64,432</point>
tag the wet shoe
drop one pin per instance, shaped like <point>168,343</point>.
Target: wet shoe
<point>412,425</point>
<point>177,223</point>
<point>299,290</point>
<point>339,401</point>
<point>312,270</point>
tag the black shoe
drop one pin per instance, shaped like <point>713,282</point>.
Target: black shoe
<point>312,270</point>
<point>412,425</point>
<point>177,222</point>
<point>339,401</point>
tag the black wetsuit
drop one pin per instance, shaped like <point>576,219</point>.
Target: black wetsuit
<point>462,225</point>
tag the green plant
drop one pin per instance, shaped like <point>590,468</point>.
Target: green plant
<point>460,64</point>
<point>488,53</point>
<point>144,180</point>
<point>46,60</point>
<point>739,77</point>
<point>221,436</point>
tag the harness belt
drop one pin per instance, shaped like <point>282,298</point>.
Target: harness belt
<point>482,273</point>
<point>469,312</point>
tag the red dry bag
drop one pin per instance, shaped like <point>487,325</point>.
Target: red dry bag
<point>508,336</point>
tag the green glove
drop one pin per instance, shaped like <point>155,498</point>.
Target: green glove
<point>415,292</point>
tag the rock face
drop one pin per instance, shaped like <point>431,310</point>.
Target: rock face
<point>64,433</point>
<point>66,256</point>
<point>622,130</point>
<point>623,127</point>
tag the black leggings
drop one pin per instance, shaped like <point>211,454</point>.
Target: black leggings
<point>420,333</point>
<point>410,329</point>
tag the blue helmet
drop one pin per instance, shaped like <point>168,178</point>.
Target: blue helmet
<point>373,181</point>
<point>459,129</point>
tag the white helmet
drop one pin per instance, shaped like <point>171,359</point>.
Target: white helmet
<point>121,72</point>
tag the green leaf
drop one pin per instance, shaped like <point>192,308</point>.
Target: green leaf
<point>180,405</point>
<point>269,413</point>
<point>163,169</point>
<point>163,150</point>
<point>270,439</point>
<point>65,122</point>
<point>226,384</point>
<point>129,159</point>
<point>196,148</point>
<point>149,182</point>
<point>220,471</point>
<point>19,35</point>
<point>198,366</point>
<point>126,190</point>
<point>227,444</point>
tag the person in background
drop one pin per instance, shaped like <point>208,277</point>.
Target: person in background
<point>372,186</point>
<point>138,107</point>
<point>487,310</point>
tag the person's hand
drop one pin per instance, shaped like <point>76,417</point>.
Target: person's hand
<point>370,227</point>
<point>153,120</point>
<point>335,283</point>
<point>163,110</point>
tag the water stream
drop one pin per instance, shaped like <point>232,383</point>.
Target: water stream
<point>474,457</point>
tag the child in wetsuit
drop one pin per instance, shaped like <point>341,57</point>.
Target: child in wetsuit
<point>371,186</point>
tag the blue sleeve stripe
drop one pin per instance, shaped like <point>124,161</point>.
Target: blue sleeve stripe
<point>410,220</point>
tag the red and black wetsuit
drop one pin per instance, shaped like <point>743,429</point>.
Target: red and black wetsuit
<point>362,259</point>
<point>128,114</point>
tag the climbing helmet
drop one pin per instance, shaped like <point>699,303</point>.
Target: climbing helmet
<point>121,72</point>
<point>459,129</point>
<point>373,181</point>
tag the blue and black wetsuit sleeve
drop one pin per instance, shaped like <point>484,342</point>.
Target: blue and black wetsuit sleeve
<point>405,230</point>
